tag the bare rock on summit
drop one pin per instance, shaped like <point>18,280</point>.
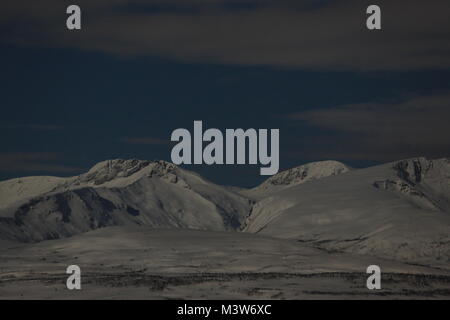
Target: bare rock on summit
<point>301,174</point>
<point>110,169</point>
<point>424,182</point>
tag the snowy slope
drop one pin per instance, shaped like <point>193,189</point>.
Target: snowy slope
<point>186,251</point>
<point>125,192</point>
<point>18,190</point>
<point>398,210</point>
<point>298,175</point>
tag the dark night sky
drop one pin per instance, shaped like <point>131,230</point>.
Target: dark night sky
<point>138,70</point>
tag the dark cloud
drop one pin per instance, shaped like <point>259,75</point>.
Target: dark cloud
<point>382,131</point>
<point>34,162</point>
<point>145,141</point>
<point>306,34</point>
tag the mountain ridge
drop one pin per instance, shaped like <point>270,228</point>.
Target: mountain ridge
<point>157,194</point>
<point>399,209</point>
<point>355,213</point>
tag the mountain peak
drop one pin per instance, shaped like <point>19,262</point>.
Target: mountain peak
<point>304,173</point>
<point>110,169</point>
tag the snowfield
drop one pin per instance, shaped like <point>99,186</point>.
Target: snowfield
<point>147,263</point>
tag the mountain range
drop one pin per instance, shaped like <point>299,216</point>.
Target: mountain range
<point>398,210</point>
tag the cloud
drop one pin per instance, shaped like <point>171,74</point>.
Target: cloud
<point>145,141</point>
<point>33,162</point>
<point>284,33</point>
<point>383,131</point>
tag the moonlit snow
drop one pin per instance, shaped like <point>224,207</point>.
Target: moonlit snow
<point>141,229</point>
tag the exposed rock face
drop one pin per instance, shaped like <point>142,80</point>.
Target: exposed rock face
<point>108,170</point>
<point>424,182</point>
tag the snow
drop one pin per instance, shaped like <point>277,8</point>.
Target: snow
<point>306,232</point>
<point>127,192</point>
<point>109,173</point>
<point>350,212</point>
<point>298,175</point>
<point>21,189</point>
<point>141,262</point>
<point>399,210</point>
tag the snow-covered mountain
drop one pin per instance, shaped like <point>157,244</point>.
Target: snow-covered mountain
<point>398,210</point>
<point>117,192</point>
<point>298,175</point>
